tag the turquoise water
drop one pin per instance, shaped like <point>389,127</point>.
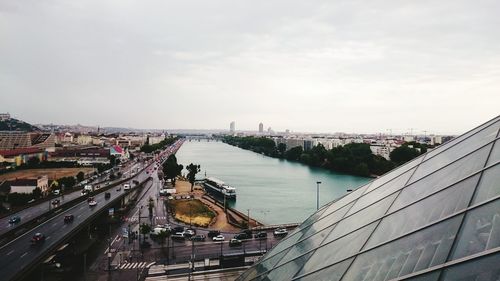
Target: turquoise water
<point>276,191</point>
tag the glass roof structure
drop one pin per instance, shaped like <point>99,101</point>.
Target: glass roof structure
<point>435,218</point>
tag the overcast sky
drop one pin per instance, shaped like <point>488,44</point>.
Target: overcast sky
<point>311,66</point>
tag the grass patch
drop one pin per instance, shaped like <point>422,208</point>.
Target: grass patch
<point>192,211</point>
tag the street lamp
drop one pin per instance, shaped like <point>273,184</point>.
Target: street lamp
<point>317,194</point>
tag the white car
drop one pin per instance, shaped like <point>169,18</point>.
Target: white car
<point>92,203</point>
<point>218,238</point>
<point>126,186</point>
<point>280,232</point>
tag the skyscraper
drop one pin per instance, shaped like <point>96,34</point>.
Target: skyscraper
<point>261,128</point>
<point>232,127</point>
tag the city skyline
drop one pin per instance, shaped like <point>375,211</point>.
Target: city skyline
<point>323,67</point>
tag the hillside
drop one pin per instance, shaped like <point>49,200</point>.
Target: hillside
<point>16,125</point>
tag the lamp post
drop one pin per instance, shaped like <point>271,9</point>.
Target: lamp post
<point>317,194</point>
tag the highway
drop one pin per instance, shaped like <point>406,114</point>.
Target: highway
<point>43,207</point>
<point>19,253</point>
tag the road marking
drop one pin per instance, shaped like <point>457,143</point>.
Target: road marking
<point>79,216</point>
<point>23,255</point>
<point>54,224</point>
<point>12,251</point>
<point>48,237</point>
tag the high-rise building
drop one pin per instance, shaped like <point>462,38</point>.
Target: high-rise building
<point>435,218</point>
<point>261,128</point>
<point>232,127</point>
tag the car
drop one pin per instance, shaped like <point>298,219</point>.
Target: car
<point>190,231</point>
<point>242,236</point>
<point>235,242</point>
<point>157,230</point>
<point>107,183</point>
<point>107,195</point>
<point>56,192</point>
<point>218,238</point>
<point>126,186</point>
<point>92,203</point>
<point>119,188</point>
<point>56,202</point>
<point>171,198</point>
<point>91,198</point>
<point>280,232</point>
<point>178,236</point>
<point>261,234</point>
<point>37,238</point>
<point>199,237</point>
<point>213,233</point>
<point>68,218</point>
<point>178,229</point>
<point>14,219</point>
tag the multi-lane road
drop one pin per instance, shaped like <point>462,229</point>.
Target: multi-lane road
<point>19,253</point>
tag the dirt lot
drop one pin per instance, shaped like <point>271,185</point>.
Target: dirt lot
<point>193,211</point>
<point>51,173</point>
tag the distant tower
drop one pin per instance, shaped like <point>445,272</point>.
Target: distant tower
<point>232,127</point>
<point>261,128</point>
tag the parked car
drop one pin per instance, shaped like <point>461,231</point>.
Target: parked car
<point>68,218</point>
<point>107,195</point>
<point>261,234</point>
<point>280,232</point>
<point>14,219</point>
<point>38,238</point>
<point>190,231</point>
<point>242,236</point>
<point>218,238</point>
<point>199,237</point>
<point>178,229</point>
<point>178,236</point>
<point>235,242</point>
<point>157,230</point>
<point>213,233</point>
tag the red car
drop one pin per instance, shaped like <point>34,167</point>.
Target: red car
<point>37,238</point>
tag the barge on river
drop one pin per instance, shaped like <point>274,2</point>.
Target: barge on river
<point>218,187</point>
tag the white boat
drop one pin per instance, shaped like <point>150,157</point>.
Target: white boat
<point>219,187</point>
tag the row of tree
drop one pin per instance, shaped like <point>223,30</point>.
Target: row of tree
<point>172,169</point>
<point>148,148</point>
<point>354,158</point>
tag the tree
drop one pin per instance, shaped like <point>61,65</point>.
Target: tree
<point>282,149</point>
<point>403,154</point>
<point>192,171</point>
<point>80,176</point>
<point>68,182</point>
<point>112,160</point>
<point>294,153</point>
<point>145,229</point>
<point>151,205</point>
<point>37,193</point>
<point>172,169</point>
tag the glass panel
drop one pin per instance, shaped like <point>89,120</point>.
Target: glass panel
<point>481,231</point>
<point>361,218</point>
<point>309,220</point>
<point>433,276</point>
<point>456,152</point>
<point>431,209</point>
<point>381,192</point>
<point>338,250</point>
<point>285,243</point>
<point>482,269</point>
<point>287,271</point>
<point>489,186</point>
<point>346,199</point>
<point>328,220</point>
<point>263,266</point>
<point>417,251</point>
<point>441,148</point>
<point>332,273</point>
<point>306,245</point>
<point>442,178</point>
<point>495,154</point>
<point>394,173</point>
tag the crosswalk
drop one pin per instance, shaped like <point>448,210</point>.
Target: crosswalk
<point>136,218</point>
<point>134,265</point>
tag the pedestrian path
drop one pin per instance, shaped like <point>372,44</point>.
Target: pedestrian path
<point>135,265</point>
<point>136,218</point>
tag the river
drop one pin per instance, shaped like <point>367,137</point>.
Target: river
<point>275,191</point>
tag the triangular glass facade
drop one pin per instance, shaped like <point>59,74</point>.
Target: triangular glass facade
<point>434,218</point>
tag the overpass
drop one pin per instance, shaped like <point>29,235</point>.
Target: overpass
<point>19,257</point>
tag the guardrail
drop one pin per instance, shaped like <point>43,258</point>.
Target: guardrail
<point>274,226</point>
